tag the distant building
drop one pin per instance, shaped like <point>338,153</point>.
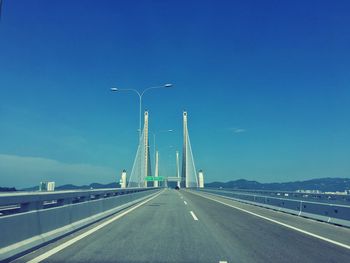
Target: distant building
<point>42,186</point>
<point>123,179</point>
<point>50,186</point>
<point>200,179</point>
<point>337,193</point>
<point>47,186</point>
<point>309,191</point>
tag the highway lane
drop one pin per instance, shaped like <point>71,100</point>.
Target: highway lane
<point>178,226</point>
<point>330,231</point>
<point>256,240</point>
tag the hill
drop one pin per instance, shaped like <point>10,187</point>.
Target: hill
<point>322,184</point>
<point>8,189</point>
<point>76,187</point>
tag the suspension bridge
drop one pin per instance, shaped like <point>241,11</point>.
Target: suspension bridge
<point>141,173</point>
<point>143,221</point>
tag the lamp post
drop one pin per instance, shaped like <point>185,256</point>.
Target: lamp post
<point>140,94</point>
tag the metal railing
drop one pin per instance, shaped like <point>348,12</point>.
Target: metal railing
<point>294,203</point>
<point>31,219</point>
<point>18,202</point>
<point>307,196</point>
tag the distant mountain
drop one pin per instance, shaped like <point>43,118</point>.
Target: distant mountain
<point>75,187</point>
<point>34,188</point>
<point>322,184</point>
<point>71,187</point>
<point>8,189</point>
<point>237,184</point>
<point>99,186</point>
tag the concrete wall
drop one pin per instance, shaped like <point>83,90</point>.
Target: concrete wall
<point>312,197</point>
<point>328,212</point>
<point>23,231</point>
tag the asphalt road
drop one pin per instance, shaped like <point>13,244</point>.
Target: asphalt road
<point>181,226</point>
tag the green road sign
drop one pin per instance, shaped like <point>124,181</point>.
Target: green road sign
<point>153,178</point>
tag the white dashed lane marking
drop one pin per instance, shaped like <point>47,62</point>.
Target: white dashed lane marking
<point>194,216</point>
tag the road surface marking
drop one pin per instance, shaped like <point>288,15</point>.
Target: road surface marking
<point>185,202</point>
<point>280,223</point>
<point>194,216</point>
<point>222,261</point>
<point>81,236</point>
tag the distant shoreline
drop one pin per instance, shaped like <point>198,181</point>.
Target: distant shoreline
<point>320,184</point>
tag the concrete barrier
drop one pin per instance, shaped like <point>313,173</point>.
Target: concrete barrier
<point>24,231</point>
<point>327,212</point>
<point>333,198</point>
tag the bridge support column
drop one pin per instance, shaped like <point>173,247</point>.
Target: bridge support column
<point>155,183</point>
<point>146,149</point>
<point>123,179</point>
<point>200,179</point>
<point>178,169</point>
<point>184,179</point>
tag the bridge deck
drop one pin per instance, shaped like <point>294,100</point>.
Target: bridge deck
<point>180,226</point>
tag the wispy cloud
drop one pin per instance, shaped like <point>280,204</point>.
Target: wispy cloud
<point>237,130</point>
<point>27,171</point>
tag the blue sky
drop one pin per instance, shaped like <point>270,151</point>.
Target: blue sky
<point>266,85</point>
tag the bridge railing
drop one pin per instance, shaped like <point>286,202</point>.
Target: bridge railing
<point>34,218</point>
<point>307,196</point>
<point>327,210</point>
<point>18,202</point>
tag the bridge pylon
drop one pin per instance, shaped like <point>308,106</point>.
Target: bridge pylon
<point>189,175</point>
<point>142,163</point>
<point>147,160</point>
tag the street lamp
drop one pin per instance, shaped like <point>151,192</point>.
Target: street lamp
<point>140,94</point>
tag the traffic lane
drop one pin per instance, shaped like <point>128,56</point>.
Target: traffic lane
<point>252,239</point>
<point>162,230</point>
<point>62,241</point>
<point>330,231</point>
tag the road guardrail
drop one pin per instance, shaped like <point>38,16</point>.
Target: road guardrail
<point>32,219</point>
<point>328,212</point>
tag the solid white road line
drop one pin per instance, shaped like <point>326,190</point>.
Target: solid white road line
<point>194,216</point>
<point>279,223</point>
<point>81,236</point>
<point>185,202</point>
